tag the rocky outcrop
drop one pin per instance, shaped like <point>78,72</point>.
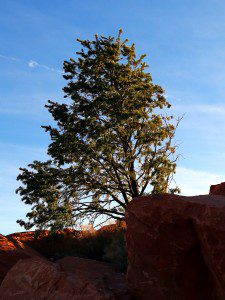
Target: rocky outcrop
<point>176,247</point>
<point>29,236</point>
<point>11,252</point>
<point>106,244</point>
<point>45,243</point>
<point>69,278</point>
<point>217,189</point>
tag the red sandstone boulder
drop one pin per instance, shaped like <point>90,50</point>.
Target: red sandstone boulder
<point>70,278</point>
<point>176,247</point>
<point>11,252</point>
<point>100,277</point>
<point>217,189</point>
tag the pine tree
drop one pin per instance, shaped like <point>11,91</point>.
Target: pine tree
<point>112,142</point>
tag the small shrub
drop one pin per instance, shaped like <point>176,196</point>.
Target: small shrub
<point>116,252</point>
<point>106,244</point>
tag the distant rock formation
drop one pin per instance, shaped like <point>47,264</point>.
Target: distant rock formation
<point>176,247</point>
<point>217,189</point>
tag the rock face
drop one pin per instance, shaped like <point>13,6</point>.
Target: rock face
<point>217,189</point>
<point>11,252</point>
<point>176,247</point>
<point>69,278</point>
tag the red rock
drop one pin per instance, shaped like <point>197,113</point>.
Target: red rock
<point>10,253</point>
<point>71,242</point>
<point>45,243</point>
<point>98,276</point>
<point>69,278</point>
<point>108,231</point>
<point>119,225</point>
<point>217,189</point>
<point>29,236</point>
<point>176,247</point>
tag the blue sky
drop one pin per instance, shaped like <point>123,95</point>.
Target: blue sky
<point>185,46</point>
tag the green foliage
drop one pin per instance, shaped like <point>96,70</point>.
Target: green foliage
<point>112,139</point>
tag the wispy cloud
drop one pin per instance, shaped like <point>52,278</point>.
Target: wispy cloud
<point>35,64</point>
<point>22,148</point>
<point>14,111</point>
<point>9,57</point>
<point>30,63</point>
<point>31,111</point>
<point>201,108</point>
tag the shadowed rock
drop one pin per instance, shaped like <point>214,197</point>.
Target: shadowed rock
<point>176,247</point>
<point>69,278</point>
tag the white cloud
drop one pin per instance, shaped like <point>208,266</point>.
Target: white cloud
<point>13,156</point>
<point>194,182</point>
<point>33,64</point>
